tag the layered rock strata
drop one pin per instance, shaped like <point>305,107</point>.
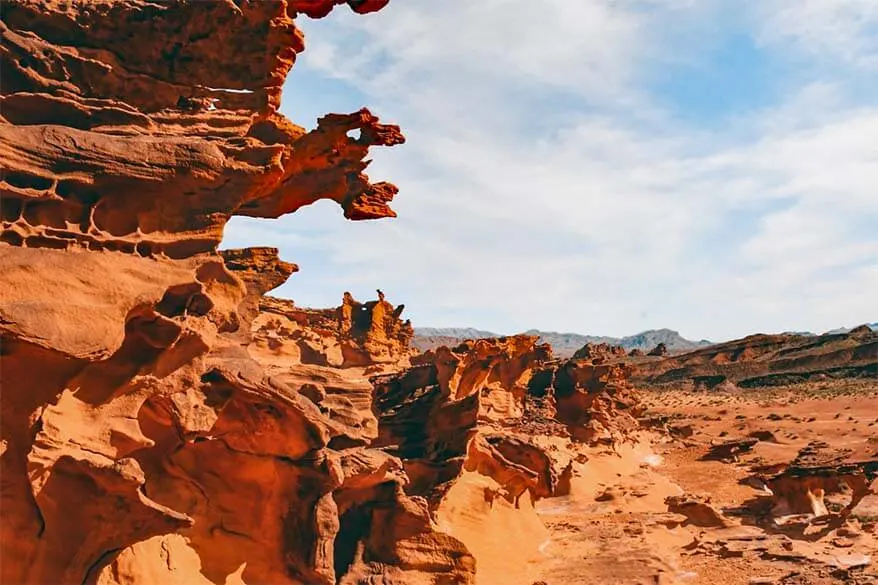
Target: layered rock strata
<point>165,422</point>
<point>142,439</point>
<point>485,405</point>
<point>602,351</point>
<point>766,360</point>
<point>350,335</point>
<point>487,428</point>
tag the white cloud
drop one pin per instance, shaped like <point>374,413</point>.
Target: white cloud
<point>543,186</point>
<point>837,30</point>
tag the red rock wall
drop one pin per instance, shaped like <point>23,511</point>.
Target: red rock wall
<point>162,421</point>
<point>141,440</point>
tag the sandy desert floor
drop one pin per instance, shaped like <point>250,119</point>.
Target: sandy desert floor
<point>616,528</point>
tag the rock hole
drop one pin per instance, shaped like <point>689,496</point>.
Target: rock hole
<point>184,298</point>
<point>354,527</point>
<point>47,213</point>
<point>230,324</point>
<point>10,209</point>
<point>268,132</point>
<point>342,442</point>
<point>186,248</point>
<point>104,560</point>
<point>216,397</point>
<point>72,189</point>
<point>213,376</point>
<point>24,180</point>
<point>12,238</point>
<point>44,242</point>
<point>118,218</point>
<point>354,134</point>
<point>155,331</point>
<point>268,410</point>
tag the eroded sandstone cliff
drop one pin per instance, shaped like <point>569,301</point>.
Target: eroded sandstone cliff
<point>165,422</point>
<point>142,440</point>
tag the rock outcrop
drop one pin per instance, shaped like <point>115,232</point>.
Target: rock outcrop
<point>599,351</point>
<point>329,356</point>
<point>697,510</point>
<point>593,399</point>
<point>483,407</point>
<point>145,438</point>
<point>659,350</point>
<point>802,489</point>
<point>165,422</point>
<point>430,414</point>
<point>819,471</point>
<point>768,360</point>
<point>487,428</point>
<point>353,334</point>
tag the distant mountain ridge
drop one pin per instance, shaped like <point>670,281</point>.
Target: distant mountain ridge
<point>563,344</point>
<point>836,331</point>
<point>566,344</point>
<point>462,332</point>
<point>872,326</point>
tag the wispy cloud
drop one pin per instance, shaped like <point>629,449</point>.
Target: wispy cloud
<point>545,183</point>
<point>843,31</point>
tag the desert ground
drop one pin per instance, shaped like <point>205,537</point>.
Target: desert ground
<point>616,526</point>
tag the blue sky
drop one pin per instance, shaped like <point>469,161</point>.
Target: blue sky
<point>603,167</point>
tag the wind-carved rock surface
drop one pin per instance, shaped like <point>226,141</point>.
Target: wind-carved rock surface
<point>430,415</point>
<point>486,429</point>
<point>329,355</point>
<point>603,351</point>
<point>162,421</point>
<point>146,438</point>
<point>353,334</point>
<point>165,422</point>
<point>92,119</point>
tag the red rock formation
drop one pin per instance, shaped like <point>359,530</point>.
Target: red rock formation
<point>769,360</point>
<point>801,490</point>
<point>162,420</point>
<point>90,118</point>
<point>697,510</point>
<point>483,431</point>
<point>730,451</point>
<point>819,470</point>
<point>430,415</point>
<point>328,356</point>
<point>142,439</point>
<point>476,404</point>
<point>596,401</point>
<point>599,351</point>
<point>659,350</point>
<point>351,335</point>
